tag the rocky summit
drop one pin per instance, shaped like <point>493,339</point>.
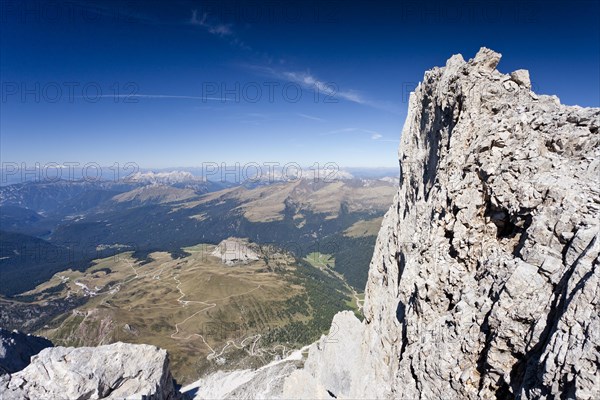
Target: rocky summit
<point>484,283</point>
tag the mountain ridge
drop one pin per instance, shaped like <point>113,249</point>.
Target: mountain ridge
<point>484,280</point>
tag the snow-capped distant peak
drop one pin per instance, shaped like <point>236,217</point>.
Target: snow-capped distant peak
<point>164,177</point>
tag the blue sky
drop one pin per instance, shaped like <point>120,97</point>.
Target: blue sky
<point>179,83</point>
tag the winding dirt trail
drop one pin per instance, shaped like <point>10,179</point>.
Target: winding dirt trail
<point>181,302</point>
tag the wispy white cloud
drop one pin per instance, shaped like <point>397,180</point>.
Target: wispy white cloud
<point>326,88</point>
<point>329,90</point>
<point>313,118</point>
<point>376,136</point>
<point>215,27</point>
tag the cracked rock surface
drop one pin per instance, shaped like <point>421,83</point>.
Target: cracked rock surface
<point>484,282</point>
<point>116,371</point>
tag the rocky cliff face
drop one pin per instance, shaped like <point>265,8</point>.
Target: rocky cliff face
<point>484,282</point>
<point>116,371</point>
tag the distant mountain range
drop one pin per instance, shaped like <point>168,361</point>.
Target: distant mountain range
<point>237,174</point>
<point>168,211</point>
<point>76,257</point>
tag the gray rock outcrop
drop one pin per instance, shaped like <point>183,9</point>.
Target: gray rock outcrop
<point>265,382</point>
<point>116,371</point>
<point>484,282</point>
<point>329,372</point>
<point>233,251</point>
<point>16,350</point>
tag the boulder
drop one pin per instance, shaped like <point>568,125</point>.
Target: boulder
<point>115,371</point>
<point>521,77</point>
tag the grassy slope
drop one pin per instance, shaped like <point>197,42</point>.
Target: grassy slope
<point>203,312</point>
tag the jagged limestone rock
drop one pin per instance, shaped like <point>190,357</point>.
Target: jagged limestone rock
<point>484,282</point>
<point>265,382</point>
<point>16,349</point>
<point>329,372</point>
<point>262,383</point>
<point>116,371</point>
<point>521,77</point>
<point>233,251</point>
<point>486,60</point>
